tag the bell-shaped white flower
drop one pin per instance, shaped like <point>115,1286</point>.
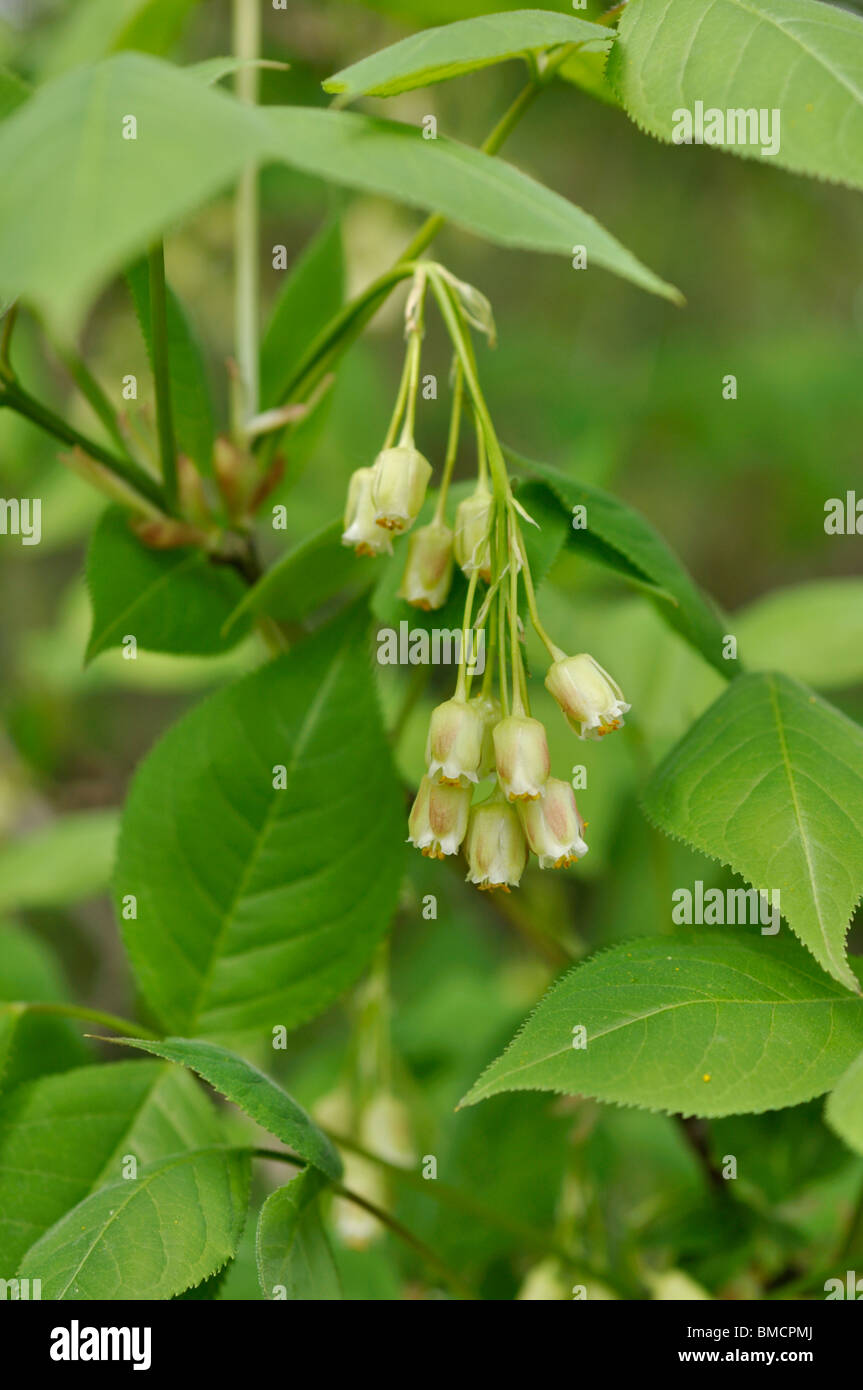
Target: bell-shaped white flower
<point>361,530</point>
<point>454,745</point>
<point>591,700</point>
<point>438,820</point>
<point>429,566</point>
<point>399,485</point>
<point>553,826</point>
<point>521,757</point>
<point>473,520</point>
<point>495,848</point>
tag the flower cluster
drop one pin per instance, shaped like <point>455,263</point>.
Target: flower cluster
<point>473,737</point>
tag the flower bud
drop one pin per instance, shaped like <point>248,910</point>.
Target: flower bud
<point>438,818</point>
<point>428,569</point>
<point>495,849</point>
<point>521,757</point>
<point>472,528</point>
<point>360,529</point>
<point>454,745</point>
<point>489,708</point>
<point>553,827</point>
<point>399,485</point>
<point>587,695</point>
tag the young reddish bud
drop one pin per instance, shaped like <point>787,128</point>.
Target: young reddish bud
<point>399,485</point>
<point>438,818</point>
<point>472,528</point>
<point>454,745</point>
<point>428,569</point>
<point>521,757</point>
<point>592,702</point>
<point>360,529</point>
<point>495,848</point>
<point>553,827</point>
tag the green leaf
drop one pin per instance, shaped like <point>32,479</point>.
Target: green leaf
<point>438,54</point>
<point>192,405</point>
<point>14,91</point>
<point>257,906</point>
<point>32,1044</point>
<point>617,536</point>
<point>64,164</point>
<point>90,29</point>
<point>799,57</point>
<point>294,1258</point>
<point>170,1228</point>
<point>770,781</point>
<point>64,1137</point>
<point>77,851</point>
<point>310,296</point>
<point>247,1086</point>
<point>844,1109</point>
<point>307,576</point>
<point>168,600</point>
<point>474,190</point>
<point>813,632</point>
<point>702,1025</point>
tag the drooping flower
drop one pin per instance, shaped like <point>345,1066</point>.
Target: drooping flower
<point>454,745</point>
<point>385,1129</point>
<point>438,818</point>
<point>361,531</point>
<point>489,708</point>
<point>521,757</point>
<point>429,566</point>
<point>553,826</point>
<point>591,700</point>
<point>495,848</point>
<point>399,485</point>
<point>472,528</point>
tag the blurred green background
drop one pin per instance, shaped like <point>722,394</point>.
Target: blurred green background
<point>600,380</point>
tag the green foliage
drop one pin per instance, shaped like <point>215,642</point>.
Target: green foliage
<point>293,1252</point>
<point>706,1025</point>
<point>258,906</point>
<point>255,1093</point>
<point>177,1224</point>
<point>617,536</point>
<point>79,847</point>
<point>435,55</point>
<point>143,1109</point>
<point>844,1110</point>
<point>800,57</point>
<point>770,781</point>
<point>32,1043</point>
<point>191,402</point>
<point>168,600</point>
<point>64,163</point>
<point>484,195</point>
<point>813,632</point>
<point>310,296</point>
<point>306,576</point>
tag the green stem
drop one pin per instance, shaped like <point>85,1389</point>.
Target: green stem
<point>117,1025</point>
<point>426,1254</point>
<point>470,1206</point>
<point>162,371</point>
<point>247,47</point>
<point>350,322</point>
<point>16,398</point>
<point>451,445</point>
